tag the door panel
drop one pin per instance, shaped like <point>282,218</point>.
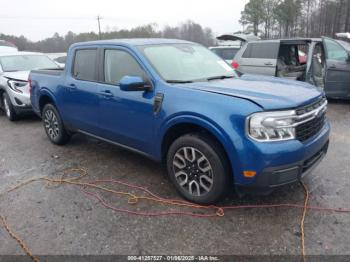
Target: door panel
<point>79,96</point>
<point>338,78</point>
<point>126,117</point>
<point>258,66</point>
<point>81,103</point>
<point>259,58</point>
<point>337,69</point>
<point>316,65</point>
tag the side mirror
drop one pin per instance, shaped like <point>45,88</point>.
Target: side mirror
<point>133,83</point>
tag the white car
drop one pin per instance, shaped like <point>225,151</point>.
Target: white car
<point>58,58</point>
<point>229,44</point>
<point>7,47</point>
<point>226,52</point>
<point>14,87</point>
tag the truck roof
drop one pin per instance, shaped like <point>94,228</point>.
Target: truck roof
<point>133,42</point>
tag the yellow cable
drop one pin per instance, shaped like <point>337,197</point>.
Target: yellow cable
<point>132,199</point>
<point>19,241</point>
<point>302,226</point>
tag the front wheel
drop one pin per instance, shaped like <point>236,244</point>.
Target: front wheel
<point>198,167</point>
<point>8,107</point>
<point>53,125</point>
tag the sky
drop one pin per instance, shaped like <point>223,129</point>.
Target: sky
<point>39,19</point>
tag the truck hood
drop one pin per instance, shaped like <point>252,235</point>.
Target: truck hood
<point>18,75</point>
<point>268,92</point>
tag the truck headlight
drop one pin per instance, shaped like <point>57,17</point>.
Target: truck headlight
<point>16,85</point>
<point>271,126</point>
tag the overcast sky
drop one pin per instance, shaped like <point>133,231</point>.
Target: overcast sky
<point>38,19</point>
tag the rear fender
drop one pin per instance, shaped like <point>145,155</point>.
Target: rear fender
<point>46,92</point>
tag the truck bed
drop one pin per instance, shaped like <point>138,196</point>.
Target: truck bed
<point>56,71</point>
<point>44,79</point>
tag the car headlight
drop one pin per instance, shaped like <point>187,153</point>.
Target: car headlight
<point>16,85</point>
<point>271,126</point>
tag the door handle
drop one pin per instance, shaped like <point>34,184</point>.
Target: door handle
<point>106,93</point>
<point>268,64</point>
<point>72,87</point>
<point>332,66</point>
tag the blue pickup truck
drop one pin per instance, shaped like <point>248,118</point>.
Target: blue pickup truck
<point>180,104</point>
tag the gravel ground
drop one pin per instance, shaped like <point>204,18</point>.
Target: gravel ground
<point>61,220</point>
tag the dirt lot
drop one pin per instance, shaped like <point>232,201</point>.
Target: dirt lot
<point>63,220</point>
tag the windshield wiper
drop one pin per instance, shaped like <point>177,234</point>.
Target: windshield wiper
<point>219,77</point>
<point>179,81</point>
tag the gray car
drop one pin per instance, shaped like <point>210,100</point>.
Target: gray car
<point>14,87</point>
<point>323,62</point>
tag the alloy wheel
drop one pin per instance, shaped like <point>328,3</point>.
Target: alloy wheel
<point>193,171</point>
<point>51,124</point>
<point>7,108</point>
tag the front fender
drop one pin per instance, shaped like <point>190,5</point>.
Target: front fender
<point>208,124</point>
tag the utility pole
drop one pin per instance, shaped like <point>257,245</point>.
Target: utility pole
<point>99,26</point>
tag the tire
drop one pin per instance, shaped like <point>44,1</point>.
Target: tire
<point>198,167</point>
<point>8,108</point>
<point>53,125</point>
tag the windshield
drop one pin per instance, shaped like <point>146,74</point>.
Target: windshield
<point>26,63</point>
<point>186,62</point>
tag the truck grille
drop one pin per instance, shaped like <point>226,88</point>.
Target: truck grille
<point>310,128</point>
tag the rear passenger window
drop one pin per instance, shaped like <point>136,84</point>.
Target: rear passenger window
<point>85,65</point>
<point>261,50</point>
<point>119,64</point>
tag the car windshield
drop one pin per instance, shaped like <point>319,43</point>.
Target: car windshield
<point>186,62</point>
<point>26,63</point>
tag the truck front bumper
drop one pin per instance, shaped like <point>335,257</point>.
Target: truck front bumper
<point>283,163</point>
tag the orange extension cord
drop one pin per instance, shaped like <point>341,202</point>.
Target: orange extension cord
<point>134,199</point>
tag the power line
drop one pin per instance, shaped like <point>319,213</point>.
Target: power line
<point>99,26</point>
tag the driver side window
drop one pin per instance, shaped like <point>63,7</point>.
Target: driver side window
<point>118,64</point>
<point>335,51</point>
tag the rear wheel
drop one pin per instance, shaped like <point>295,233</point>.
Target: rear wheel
<point>53,125</point>
<point>198,167</point>
<point>8,108</point>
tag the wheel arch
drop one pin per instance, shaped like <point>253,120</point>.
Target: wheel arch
<point>45,98</point>
<point>184,125</point>
<point>2,91</point>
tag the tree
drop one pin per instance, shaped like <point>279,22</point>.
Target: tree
<point>347,19</point>
<point>187,31</point>
<point>253,14</point>
<point>293,18</point>
<point>268,14</point>
<point>287,13</point>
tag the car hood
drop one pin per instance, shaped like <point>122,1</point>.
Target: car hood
<point>268,92</point>
<point>18,75</point>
